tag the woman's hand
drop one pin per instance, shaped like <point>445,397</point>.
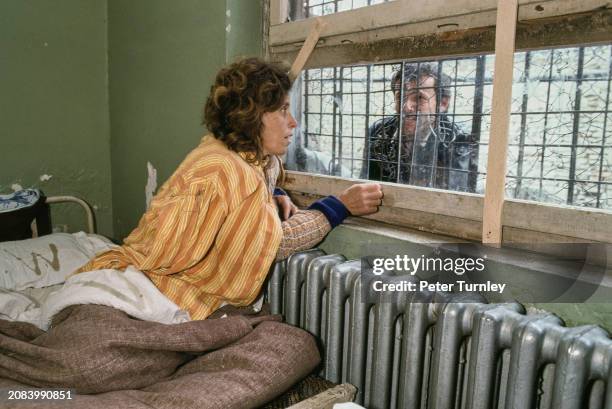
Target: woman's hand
<point>362,199</point>
<point>285,206</point>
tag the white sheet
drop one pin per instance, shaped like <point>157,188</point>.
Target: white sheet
<point>31,280</point>
<point>20,305</point>
<point>129,291</point>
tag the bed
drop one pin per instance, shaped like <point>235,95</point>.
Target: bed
<point>108,340</point>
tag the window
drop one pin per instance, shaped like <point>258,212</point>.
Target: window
<point>354,120</point>
<point>560,147</point>
<point>560,150</point>
<point>310,8</point>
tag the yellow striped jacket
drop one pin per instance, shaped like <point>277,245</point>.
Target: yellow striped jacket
<point>209,236</point>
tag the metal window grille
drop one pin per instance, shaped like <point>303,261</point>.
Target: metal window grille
<point>560,142</point>
<point>560,149</point>
<point>300,9</point>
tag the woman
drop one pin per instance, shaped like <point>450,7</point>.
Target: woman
<point>213,230</point>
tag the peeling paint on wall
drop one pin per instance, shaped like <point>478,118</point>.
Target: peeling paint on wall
<point>16,187</point>
<point>45,177</point>
<point>151,185</point>
<point>228,21</point>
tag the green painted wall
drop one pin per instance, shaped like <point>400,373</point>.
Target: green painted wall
<point>163,58</point>
<point>87,84</point>
<point>54,103</point>
<point>243,28</point>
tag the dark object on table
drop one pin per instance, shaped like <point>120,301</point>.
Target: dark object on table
<point>18,210</point>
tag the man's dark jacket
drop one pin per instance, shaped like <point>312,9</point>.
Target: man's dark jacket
<point>449,159</point>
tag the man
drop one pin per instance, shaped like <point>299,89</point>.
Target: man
<point>433,151</point>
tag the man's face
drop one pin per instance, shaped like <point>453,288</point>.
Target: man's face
<point>419,106</point>
<point>277,130</point>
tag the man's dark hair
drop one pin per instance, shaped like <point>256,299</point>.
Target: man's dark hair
<point>416,71</point>
<point>241,94</point>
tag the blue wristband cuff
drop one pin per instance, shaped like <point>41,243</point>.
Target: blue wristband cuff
<point>279,192</point>
<point>332,208</point>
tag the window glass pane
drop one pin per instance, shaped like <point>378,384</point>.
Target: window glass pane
<point>412,123</point>
<point>300,9</point>
<point>427,124</point>
<point>560,149</point>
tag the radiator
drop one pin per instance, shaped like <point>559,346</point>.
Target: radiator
<point>444,352</point>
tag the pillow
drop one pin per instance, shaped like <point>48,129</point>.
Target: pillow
<point>46,260</point>
<point>93,243</point>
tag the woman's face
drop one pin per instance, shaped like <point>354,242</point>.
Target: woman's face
<point>277,130</point>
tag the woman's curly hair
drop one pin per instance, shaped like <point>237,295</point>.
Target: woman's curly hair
<point>241,94</point>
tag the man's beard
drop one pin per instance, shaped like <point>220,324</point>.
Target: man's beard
<point>422,131</point>
<point>417,156</point>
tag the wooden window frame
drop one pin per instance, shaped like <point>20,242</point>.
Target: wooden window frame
<point>384,32</point>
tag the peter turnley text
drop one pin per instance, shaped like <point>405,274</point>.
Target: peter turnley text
<point>438,286</point>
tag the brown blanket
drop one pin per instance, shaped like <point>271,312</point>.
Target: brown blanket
<point>234,362</point>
